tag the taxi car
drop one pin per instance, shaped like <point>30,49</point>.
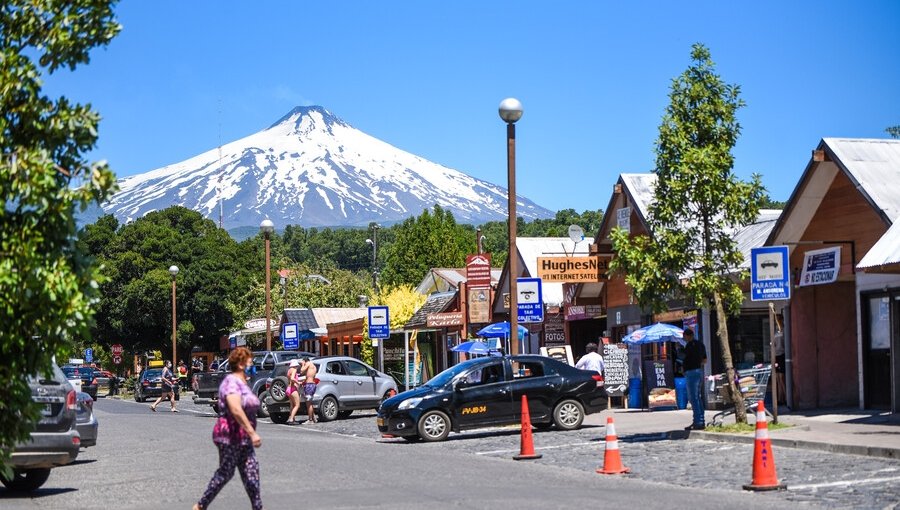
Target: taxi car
<point>488,392</point>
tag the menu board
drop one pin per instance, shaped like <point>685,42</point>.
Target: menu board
<point>615,369</point>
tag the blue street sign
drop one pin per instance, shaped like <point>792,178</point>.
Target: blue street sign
<point>290,336</point>
<point>770,275</point>
<point>530,300</point>
<point>88,355</point>
<point>379,322</point>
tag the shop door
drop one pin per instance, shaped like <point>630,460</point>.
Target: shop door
<point>878,352</point>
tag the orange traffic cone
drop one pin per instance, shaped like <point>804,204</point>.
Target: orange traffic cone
<point>764,478</point>
<point>527,449</point>
<point>612,461</point>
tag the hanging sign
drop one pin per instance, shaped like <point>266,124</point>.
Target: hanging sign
<point>821,266</point>
<point>573,269</point>
<point>478,271</point>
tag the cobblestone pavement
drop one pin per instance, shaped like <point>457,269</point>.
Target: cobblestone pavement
<point>819,478</point>
<point>813,477</point>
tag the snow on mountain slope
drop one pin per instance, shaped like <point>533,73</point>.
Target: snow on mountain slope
<point>312,169</point>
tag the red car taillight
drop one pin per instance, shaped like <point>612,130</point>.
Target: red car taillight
<point>71,401</point>
<point>145,383</point>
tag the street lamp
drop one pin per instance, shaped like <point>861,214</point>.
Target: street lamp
<point>374,243</point>
<point>510,112</point>
<point>173,270</point>
<point>267,227</point>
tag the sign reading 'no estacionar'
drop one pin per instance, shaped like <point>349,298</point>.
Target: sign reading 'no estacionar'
<point>573,269</point>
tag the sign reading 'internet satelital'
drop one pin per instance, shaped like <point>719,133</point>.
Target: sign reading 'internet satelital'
<point>573,269</point>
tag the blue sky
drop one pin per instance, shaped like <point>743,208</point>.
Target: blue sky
<point>428,77</point>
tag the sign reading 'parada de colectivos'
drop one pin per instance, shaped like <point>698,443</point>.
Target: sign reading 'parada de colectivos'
<point>573,269</point>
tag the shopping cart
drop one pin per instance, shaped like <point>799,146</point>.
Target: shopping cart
<point>752,383</point>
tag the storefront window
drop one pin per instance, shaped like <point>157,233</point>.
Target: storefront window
<point>880,323</point>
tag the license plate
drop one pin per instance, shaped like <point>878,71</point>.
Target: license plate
<point>47,410</point>
<point>380,422</point>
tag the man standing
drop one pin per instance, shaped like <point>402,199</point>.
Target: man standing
<point>309,387</point>
<point>592,360</point>
<point>694,359</point>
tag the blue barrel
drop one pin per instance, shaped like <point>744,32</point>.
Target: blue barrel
<point>634,392</point>
<point>681,392</point>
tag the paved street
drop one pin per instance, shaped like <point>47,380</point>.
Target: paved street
<point>145,460</point>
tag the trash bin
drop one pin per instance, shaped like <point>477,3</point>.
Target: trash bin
<point>681,392</point>
<point>634,392</point>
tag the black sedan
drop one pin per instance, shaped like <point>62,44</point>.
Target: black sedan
<point>149,385</point>
<point>487,392</point>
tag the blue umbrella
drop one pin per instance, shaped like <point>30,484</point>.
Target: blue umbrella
<point>472,347</point>
<point>500,330</point>
<point>659,332</point>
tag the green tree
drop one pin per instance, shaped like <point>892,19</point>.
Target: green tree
<point>402,301</point>
<point>699,204</point>
<point>433,239</point>
<point>47,285</point>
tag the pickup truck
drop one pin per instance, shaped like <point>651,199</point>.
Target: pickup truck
<point>206,384</point>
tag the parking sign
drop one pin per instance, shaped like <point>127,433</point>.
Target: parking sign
<point>379,322</point>
<point>530,302</point>
<point>770,277</point>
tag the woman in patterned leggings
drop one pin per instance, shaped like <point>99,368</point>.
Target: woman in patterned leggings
<point>235,433</point>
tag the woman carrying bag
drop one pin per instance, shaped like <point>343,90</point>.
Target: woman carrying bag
<point>235,433</point>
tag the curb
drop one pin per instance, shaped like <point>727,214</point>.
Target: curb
<point>868,451</point>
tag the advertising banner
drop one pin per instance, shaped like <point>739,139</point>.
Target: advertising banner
<point>821,266</point>
<point>573,269</point>
<point>479,306</point>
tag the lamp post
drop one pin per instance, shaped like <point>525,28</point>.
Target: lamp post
<point>374,243</point>
<point>510,112</point>
<point>173,270</point>
<point>267,227</point>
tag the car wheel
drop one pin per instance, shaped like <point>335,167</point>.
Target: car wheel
<point>568,415</point>
<point>434,426</point>
<point>388,394</point>
<point>279,418</point>
<point>278,389</point>
<point>26,480</point>
<point>345,414</point>
<point>328,409</point>
<point>263,411</point>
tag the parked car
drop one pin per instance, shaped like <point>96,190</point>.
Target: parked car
<point>86,423</point>
<point>206,384</point>
<point>149,385</point>
<point>345,384</point>
<point>488,392</point>
<point>88,378</point>
<point>54,441</point>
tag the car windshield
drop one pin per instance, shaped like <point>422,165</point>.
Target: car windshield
<point>448,375</point>
<point>152,373</point>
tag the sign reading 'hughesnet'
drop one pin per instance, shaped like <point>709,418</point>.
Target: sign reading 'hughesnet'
<point>573,269</point>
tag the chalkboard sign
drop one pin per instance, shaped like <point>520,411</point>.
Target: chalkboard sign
<point>659,384</point>
<point>615,369</point>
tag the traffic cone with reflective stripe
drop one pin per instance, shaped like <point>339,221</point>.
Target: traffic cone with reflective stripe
<point>764,477</point>
<point>527,449</point>
<point>612,461</point>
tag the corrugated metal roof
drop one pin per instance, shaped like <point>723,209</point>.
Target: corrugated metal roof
<point>441,279</point>
<point>755,234</point>
<point>875,166</point>
<point>530,248</point>
<point>886,251</point>
<point>436,303</point>
<point>640,188</point>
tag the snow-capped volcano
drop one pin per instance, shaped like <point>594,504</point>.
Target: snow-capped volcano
<point>312,169</point>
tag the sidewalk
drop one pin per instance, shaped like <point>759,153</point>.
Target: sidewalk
<point>854,431</point>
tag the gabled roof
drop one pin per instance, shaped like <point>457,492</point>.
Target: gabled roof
<point>638,188</point>
<point>436,303</point>
<point>529,249</point>
<point>304,317</point>
<point>872,165</point>
<point>441,279</point>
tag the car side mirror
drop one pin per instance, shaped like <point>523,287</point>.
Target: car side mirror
<point>460,385</point>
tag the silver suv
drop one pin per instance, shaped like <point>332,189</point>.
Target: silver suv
<point>54,441</point>
<point>345,384</point>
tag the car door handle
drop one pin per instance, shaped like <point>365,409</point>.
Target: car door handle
<point>359,383</point>
<point>503,392</point>
<point>334,381</point>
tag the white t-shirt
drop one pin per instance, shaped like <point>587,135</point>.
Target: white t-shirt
<point>591,361</point>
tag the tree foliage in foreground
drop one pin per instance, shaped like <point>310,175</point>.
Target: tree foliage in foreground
<point>47,284</point>
<point>699,205</point>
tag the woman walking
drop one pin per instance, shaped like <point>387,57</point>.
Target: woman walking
<point>235,433</point>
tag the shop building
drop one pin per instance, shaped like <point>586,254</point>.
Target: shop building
<point>844,336</point>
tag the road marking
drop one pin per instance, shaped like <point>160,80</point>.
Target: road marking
<point>494,452</point>
<point>844,483</point>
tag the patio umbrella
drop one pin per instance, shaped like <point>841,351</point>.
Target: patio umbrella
<point>659,332</point>
<point>500,330</point>
<point>473,347</point>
